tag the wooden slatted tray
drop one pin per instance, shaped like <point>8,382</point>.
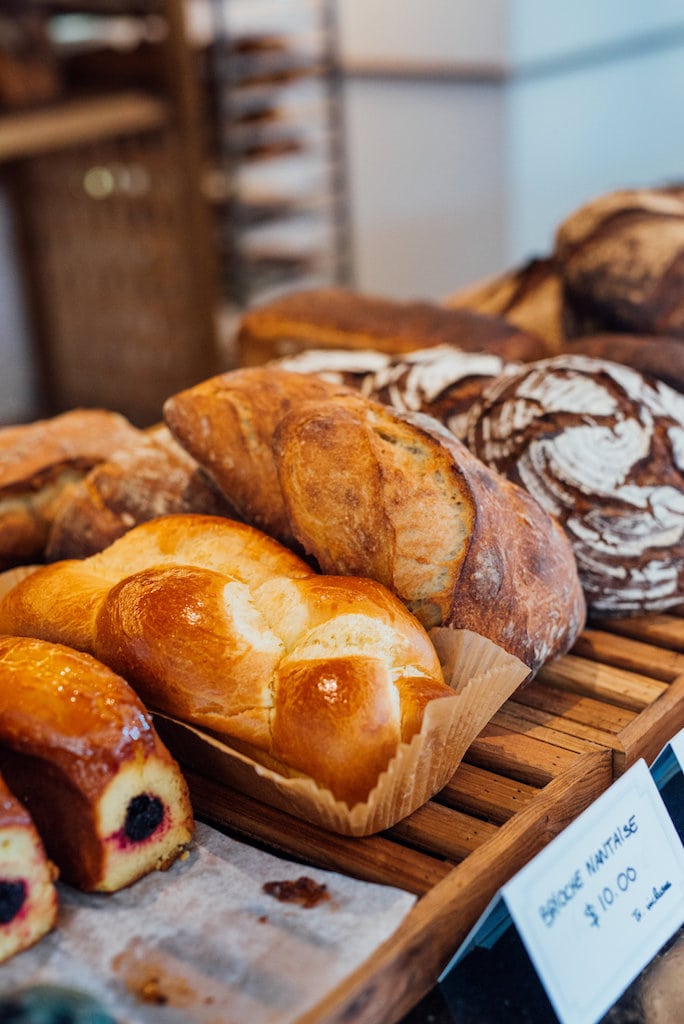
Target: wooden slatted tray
<point>544,758</point>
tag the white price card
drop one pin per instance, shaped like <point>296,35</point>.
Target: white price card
<point>596,905</point>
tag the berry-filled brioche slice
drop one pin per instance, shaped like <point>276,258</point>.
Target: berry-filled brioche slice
<point>28,898</point>
<point>79,749</point>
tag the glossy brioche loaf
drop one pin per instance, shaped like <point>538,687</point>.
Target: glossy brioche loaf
<point>28,898</point>
<point>80,751</point>
<point>37,461</point>
<point>602,448</point>
<point>220,626</point>
<point>369,492</point>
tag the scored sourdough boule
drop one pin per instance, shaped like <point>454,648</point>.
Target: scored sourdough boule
<point>28,898</point>
<point>216,624</point>
<point>79,750</point>
<point>602,448</point>
<point>369,492</point>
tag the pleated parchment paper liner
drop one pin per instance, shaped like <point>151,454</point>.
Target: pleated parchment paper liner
<point>483,677</point>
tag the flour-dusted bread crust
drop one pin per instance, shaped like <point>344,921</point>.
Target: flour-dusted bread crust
<point>78,748</point>
<point>218,625</point>
<point>37,461</point>
<point>368,492</point>
<point>621,260</point>
<point>153,477</point>
<point>344,318</point>
<point>441,381</point>
<point>602,449</point>
<point>28,898</point>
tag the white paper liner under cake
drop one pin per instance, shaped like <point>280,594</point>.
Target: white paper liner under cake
<point>203,943</point>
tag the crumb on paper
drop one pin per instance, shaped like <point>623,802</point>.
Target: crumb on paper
<point>302,890</point>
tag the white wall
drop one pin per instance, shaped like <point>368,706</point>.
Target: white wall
<point>426,183</point>
<point>532,109</point>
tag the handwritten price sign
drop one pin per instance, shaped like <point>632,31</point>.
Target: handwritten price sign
<point>596,905</point>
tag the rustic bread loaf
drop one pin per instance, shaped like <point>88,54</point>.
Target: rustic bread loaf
<point>28,898</point>
<point>621,259</point>
<point>529,296</point>
<point>81,753</point>
<point>650,354</point>
<point>37,461</point>
<point>602,449</point>
<point>220,626</point>
<point>368,492</point>
<point>343,318</point>
<point>153,477</point>
<point>442,381</point>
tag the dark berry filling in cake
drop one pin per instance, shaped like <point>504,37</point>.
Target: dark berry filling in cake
<point>144,815</point>
<point>12,898</point>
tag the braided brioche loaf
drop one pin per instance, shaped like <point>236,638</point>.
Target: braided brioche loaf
<point>218,625</point>
<point>370,493</point>
<point>602,449</point>
<point>80,751</point>
<point>28,898</point>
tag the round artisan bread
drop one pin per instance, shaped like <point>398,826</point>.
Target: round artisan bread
<point>621,260</point>
<point>219,625</point>
<point>28,898</point>
<point>601,448</point>
<point>80,751</point>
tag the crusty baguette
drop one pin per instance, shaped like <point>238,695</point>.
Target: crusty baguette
<point>228,425</point>
<point>37,461</point>
<point>28,898</point>
<point>369,492</point>
<point>344,318</point>
<point>218,625</point>
<point>80,751</point>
